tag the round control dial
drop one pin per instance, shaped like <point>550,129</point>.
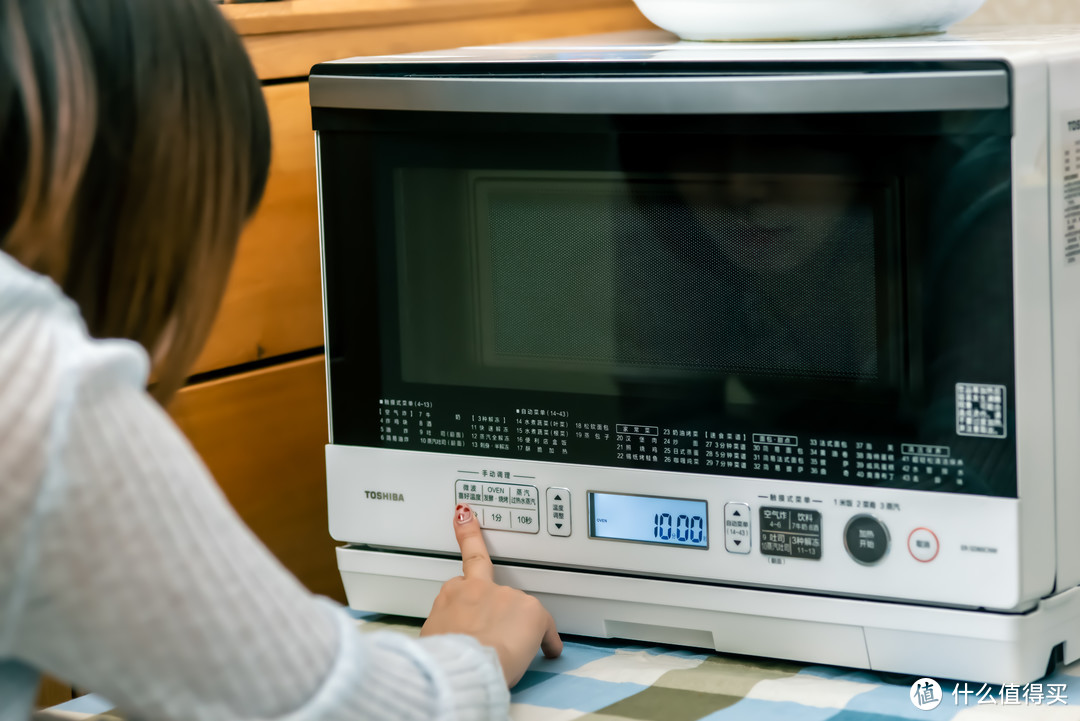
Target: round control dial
<point>866,539</point>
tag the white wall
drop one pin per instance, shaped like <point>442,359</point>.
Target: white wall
<point>1026,12</point>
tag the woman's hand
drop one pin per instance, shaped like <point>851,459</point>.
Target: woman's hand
<point>508,620</point>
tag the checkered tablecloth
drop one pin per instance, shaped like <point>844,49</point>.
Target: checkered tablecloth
<point>602,680</point>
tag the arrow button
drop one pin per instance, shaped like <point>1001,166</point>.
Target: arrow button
<point>738,527</point>
<point>558,511</point>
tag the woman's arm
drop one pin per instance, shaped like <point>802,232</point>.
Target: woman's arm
<point>149,590</point>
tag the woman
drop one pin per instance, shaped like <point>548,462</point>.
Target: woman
<point>134,143</point>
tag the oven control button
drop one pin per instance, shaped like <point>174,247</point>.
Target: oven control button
<point>923,545</point>
<point>521,520</point>
<point>469,492</point>
<point>496,494</point>
<point>525,497</point>
<point>737,530</point>
<point>498,518</point>
<point>558,511</point>
<point>866,539</point>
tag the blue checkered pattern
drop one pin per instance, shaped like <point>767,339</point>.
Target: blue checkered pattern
<point>602,680</point>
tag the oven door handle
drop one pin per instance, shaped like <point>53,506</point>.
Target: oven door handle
<point>840,92</point>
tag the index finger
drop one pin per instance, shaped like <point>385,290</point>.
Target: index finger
<point>551,643</point>
<point>475,561</point>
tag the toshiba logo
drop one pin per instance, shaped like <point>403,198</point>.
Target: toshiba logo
<point>380,496</point>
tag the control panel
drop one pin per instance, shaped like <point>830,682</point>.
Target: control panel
<point>502,506</point>
<point>780,531</point>
<point>515,506</point>
<point>848,540</point>
<point>784,532</point>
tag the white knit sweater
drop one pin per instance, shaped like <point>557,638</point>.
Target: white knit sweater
<point>123,569</point>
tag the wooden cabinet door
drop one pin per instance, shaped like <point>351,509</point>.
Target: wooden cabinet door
<point>263,435</point>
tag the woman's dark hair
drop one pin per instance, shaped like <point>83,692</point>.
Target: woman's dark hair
<point>134,144</point>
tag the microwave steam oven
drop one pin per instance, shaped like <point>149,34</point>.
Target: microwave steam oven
<point>766,348</point>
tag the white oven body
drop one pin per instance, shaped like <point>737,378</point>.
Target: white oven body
<point>970,587</point>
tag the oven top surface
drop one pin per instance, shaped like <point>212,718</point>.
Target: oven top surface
<point>976,43</point>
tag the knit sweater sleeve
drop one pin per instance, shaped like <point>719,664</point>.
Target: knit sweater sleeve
<point>134,578</point>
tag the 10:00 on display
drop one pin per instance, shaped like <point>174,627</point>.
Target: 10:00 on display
<point>649,519</point>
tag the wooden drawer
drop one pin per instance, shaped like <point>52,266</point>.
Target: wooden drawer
<point>273,304</point>
<point>263,435</point>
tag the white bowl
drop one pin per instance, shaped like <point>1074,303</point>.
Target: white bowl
<point>803,19</point>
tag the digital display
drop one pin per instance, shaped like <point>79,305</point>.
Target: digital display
<point>649,519</point>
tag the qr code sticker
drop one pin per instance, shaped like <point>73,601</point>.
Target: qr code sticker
<point>980,410</point>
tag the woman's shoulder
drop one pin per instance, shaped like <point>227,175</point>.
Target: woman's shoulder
<point>44,344</point>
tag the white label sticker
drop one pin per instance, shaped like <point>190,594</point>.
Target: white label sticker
<point>1071,189</point>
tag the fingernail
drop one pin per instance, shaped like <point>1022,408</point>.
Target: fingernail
<point>464,513</point>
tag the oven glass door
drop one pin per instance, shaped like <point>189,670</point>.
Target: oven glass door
<point>819,297</point>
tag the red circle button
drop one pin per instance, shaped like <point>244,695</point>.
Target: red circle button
<point>923,545</point>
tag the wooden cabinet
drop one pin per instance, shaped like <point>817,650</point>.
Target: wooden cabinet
<point>52,692</point>
<point>273,303</point>
<point>286,38</point>
<point>263,434</point>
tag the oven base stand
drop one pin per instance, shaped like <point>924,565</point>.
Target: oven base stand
<point>940,643</point>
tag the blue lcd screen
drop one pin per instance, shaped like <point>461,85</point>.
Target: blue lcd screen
<point>649,519</point>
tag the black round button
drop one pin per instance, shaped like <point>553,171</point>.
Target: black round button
<point>866,539</point>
